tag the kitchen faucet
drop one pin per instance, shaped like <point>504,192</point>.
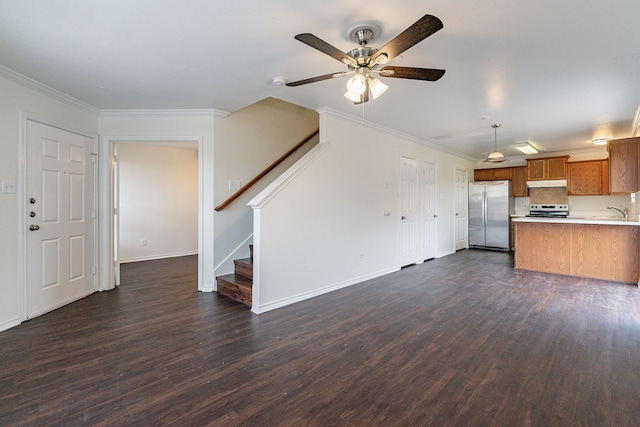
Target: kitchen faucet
<point>624,211</point>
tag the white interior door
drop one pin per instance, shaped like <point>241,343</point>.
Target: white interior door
<point>461,211</point>
<point>408,211</point>
<point>60,264</point>
<point>429,211</point>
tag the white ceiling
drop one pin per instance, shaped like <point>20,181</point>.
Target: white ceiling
<point>555,73</point>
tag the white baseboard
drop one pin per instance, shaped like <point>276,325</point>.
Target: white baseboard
<point>307,295</point>
<point>152,257</point>
<point>8,324</point>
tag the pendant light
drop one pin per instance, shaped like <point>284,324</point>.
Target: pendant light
<point>495,156</point>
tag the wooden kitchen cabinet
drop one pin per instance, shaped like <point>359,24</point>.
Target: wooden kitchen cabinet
<point>495,174</point>
<point>519,182</point>
<point>547,168</point>
<point>607,252</point>
<point>517,175</point>
<point>624,156</point>
<point>588,178</point>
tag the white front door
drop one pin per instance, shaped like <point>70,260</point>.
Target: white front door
<point>429,211</point>
<point>408,211</point>
<point>461,214</point>
<point>60,218</point>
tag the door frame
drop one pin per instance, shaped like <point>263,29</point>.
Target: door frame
<point>110,273</point>
<point>24,117</point>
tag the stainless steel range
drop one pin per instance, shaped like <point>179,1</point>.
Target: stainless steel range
<point>559,210</point>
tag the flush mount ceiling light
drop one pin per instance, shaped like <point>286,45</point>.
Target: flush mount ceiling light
<point>526,148</point>
<point>600,141</point>
<point>495,156</point>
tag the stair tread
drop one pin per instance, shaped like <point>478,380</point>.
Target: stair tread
<point>237,279</point>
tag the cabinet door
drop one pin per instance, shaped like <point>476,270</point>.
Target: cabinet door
<point>535,169</point>
<point>482,175</point>
<point>623,165</point>
<point>556,169</point>
<point>519,183</point>
<point>588,178</point>
<point>500,174</point>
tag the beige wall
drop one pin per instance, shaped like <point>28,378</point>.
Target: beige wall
<point>158,200</point>
<point>248,141</point>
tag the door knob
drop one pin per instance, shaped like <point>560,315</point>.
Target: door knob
<point>34,227</point>
<point>435,215</point>
<point>403,217</point>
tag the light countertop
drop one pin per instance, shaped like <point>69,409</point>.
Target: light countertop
<point>579,220</point>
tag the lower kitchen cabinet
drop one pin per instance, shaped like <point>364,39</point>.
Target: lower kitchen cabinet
<point>607,252</point>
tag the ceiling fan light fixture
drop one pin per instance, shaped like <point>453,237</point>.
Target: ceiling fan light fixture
<point>377,88</point>
<point>352,96</point>
<point>357,84</point>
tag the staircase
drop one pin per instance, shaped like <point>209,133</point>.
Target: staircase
<point>239,284</point>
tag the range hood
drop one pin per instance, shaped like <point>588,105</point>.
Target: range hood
<point>547,183</point>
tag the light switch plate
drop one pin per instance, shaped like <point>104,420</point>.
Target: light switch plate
<point>8,186</point>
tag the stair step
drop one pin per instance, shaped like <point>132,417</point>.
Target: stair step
<point>244,267</point>
<point>236,287</point>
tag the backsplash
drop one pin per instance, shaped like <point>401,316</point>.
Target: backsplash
<point>548,195</point>
<point>587,205</point>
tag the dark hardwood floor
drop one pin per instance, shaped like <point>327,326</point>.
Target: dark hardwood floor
<point>463,340</point>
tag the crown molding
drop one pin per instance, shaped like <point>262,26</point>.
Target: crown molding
<point>394,132</point>
<point>163,112</point>
<point>30,83</point>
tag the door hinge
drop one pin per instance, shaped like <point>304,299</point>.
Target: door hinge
<point>93,215</point>
<point>93,271</point>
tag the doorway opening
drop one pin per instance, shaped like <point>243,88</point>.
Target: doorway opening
<point>147,193</point>
<point>156,200</point>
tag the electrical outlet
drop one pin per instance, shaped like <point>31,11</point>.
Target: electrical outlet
<point>8,186</point>
<point>234,185</point>
<point>143,242</point>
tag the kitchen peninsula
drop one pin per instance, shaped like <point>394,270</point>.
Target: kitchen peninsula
<point>600,248</point>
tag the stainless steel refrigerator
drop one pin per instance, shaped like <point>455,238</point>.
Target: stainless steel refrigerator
<point>490,206</point>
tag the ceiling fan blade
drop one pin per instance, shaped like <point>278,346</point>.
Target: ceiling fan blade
<point>324,47</point>
<point>417,32</point>
<point>316,79</point>
<point>430,74</point>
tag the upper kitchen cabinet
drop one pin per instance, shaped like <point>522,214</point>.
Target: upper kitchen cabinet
<point>519,182</point>
<point>623,161</point>
<point>517,175</point>
<point>547,168</point>
<point>588,178</point>
<point>494,174</point>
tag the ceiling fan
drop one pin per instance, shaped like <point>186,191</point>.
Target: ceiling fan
<point>366,61</point>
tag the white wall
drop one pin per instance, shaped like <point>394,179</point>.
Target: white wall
<point>36,101</point>
<point>158,201</point>
<point>246,142</point>
<point>326,229</point>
